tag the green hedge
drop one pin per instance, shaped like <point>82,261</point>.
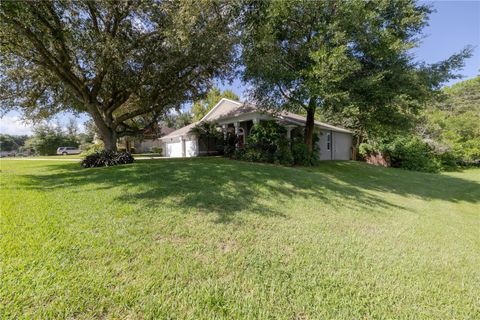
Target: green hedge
<point>411,153</point>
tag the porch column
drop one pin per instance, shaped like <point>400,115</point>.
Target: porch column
<point>182,141</point>
<point>224,130</point>
<point>255,120</point>
<point>237,127</point>
<point>289,133</point>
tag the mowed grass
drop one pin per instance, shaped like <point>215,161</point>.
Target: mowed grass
<point>218,239</point>
<point>79,156</point>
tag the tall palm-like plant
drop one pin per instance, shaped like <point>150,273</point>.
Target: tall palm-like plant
<point>209,132</point>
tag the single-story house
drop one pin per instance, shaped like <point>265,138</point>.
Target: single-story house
<point>334,143</point>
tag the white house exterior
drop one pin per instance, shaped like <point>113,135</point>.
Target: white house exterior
<point>334,143</point>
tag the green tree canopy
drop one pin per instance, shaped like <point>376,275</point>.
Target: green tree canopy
<point>454,122</point>
<point>178,120</point>
<point>7,143</point>
<point>295,54</point>
<point>348,58</point>
<point>118,61</point>
<point>201,107</point>
<point>10,142</point>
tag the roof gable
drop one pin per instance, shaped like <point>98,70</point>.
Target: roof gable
<point>221,109</point>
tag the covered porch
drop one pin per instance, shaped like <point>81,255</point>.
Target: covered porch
<point>241,126</point>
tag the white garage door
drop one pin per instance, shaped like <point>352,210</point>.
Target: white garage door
<point>191,148</point>
<point>173,149</point>
<point>342,146</point>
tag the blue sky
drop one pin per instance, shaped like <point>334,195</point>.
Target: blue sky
<point>453,25</point>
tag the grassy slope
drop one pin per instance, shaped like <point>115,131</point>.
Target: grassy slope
<point>205,238</point>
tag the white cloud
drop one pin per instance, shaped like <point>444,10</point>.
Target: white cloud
<point>12,124</point>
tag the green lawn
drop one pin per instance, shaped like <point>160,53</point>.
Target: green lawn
<point>70,156</point>
<point>214,238</point>
<point>79,156</point>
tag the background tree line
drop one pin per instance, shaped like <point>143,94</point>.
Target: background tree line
<point>453,123</point>
<point>12,142</point>
<point>47,137</point>
<point>444,134</point>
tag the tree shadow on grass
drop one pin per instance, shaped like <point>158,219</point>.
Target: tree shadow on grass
<point>427,186</point>
<point>230,188</point>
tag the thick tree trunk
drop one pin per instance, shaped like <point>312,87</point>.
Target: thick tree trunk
<point>310,125</point>
<point>107,134</point>
<point>109,139</point>
<point>359,139</point>
<point>356,146</point>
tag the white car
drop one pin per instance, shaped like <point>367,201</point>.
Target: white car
<point>68,150</point>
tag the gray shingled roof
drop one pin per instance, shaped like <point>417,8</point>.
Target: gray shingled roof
<point>180,132</point>
<point>237,108</point>
<point>301,120</point>
<point>234,110</point>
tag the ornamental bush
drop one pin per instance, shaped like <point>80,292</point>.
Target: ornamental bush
<point>284,155</point>
<point>229,149</point>
<point>412,153</point>
<point>301,156</point>
<point>106,159</point>
<point>267,136</point>
<point>91,148</point>
<point>267,142</point>
<point>156,150</point>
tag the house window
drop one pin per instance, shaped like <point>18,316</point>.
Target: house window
<point>329,141</point>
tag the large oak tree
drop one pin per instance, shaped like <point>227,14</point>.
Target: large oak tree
<point>295,54</point>
<point>125,63</point>
<point>341,55</point>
